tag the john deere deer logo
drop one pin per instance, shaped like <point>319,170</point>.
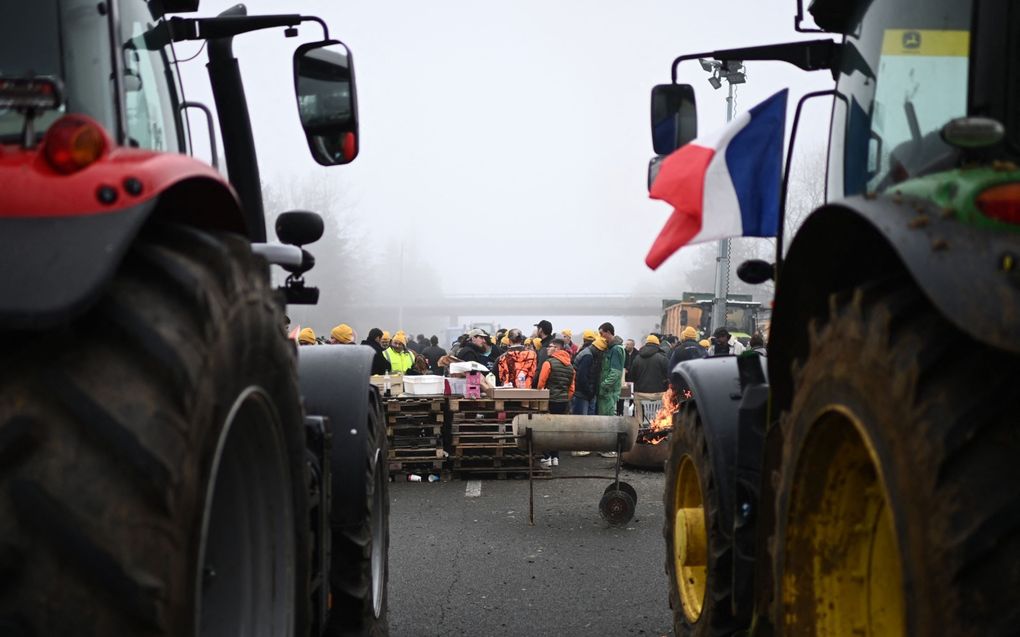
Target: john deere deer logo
<point>911,40</point>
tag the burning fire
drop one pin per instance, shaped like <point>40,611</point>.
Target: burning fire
<point>662,425</point>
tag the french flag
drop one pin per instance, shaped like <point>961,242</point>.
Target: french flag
<point>725,184</point>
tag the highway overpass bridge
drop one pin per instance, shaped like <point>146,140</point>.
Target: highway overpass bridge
<point>541,306</point>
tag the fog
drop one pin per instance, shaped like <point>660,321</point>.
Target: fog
<point>504,149</point>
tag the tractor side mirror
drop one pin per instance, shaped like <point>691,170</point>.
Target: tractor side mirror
<point>327,101</point>
<point>299,227</point>
<point>755,271</point>
<point>674,117</point>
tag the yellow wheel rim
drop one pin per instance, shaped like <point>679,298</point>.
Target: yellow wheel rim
<point>690,540</point>
<point>842,573</point>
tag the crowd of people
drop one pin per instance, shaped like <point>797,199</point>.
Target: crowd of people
<point>583,378</point>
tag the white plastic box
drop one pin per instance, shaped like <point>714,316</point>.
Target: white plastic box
<point>457,385</point>
<point>424,385</point>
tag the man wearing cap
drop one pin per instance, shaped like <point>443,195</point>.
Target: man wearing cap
<point>586,380</point>
<point>307,336</point>
<point>397,356</point>
<point>688,349</point>
<point>544,331</point>
<point>342,334</point>
<point>723,344</point>
<point>568,345</point>
<point>374,340</point>
<point>649,371</point>
<point>385,340</point>
<point>478,349</point>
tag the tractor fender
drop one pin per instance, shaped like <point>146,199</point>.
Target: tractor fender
<point>334,381</point>
<point>62,244</point>
<point>714,383</point>
<point>970,274</point>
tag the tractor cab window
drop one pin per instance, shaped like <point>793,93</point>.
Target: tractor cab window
<point>64,39</point>
<point>918,52</point>
<point>149,82</point>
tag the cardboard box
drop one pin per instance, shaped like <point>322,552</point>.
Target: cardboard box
<point>396,383</point>
<point>512,393</point>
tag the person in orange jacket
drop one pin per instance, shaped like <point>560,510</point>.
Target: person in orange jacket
<point>557,375</point>
<point>517,365</point>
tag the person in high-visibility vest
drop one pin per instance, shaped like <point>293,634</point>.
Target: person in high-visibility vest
<point>397,356</point>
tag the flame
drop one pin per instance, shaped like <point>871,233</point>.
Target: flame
<point>664,418</point>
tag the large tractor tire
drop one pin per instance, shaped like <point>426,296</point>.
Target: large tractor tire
<point>152,471</point>
<point>698,551</point>
<point>360,563</point>
<point>897,508</point>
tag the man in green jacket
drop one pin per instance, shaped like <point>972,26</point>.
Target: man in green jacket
<point>611,376</point>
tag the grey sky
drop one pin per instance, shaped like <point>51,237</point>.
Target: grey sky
<point>525,122</point>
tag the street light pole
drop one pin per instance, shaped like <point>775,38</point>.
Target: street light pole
<point>733,72</point>
<point>722,265</point>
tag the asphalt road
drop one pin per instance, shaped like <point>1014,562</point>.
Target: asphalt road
<point>465,564</point>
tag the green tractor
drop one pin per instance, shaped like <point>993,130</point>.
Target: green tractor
<point>864,480</point>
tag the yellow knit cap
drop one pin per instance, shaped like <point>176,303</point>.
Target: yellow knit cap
<point>589,335</point>
<point>342,333</point>
<point>306,336</point>
<point>689,334</point>
<point>704,343</point>
<point>600,343</point>
<point>652,338</point>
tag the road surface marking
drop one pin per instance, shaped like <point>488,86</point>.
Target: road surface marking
<point>473,489</point>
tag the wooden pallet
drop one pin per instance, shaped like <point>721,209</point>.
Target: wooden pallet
<point>416,404</point>
<point>498,474</point>
<point>415,442</point>
<point>420,466</point>
<point>416,455</point>
<point>490,405</point>
<point>487,449</point>
<point>413,429</point>
<point>410,418</point>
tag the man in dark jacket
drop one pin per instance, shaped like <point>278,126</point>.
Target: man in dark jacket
<point>650,375</point>
<point>478,348</point>
<point>688,349</point>
<point>433,353</point>
<point>583,403</point>
<point>374,340</point>
<point>544,331</point>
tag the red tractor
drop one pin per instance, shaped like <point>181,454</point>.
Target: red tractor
<point>158,472</point>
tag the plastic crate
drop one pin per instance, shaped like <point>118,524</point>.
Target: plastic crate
<point>424,385</point>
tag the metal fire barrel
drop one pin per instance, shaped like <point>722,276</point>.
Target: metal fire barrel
<point>562,432</point>
<point>647,456</point>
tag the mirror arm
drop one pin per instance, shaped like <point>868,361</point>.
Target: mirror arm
<point>814,55</point>
<point>183,29</point>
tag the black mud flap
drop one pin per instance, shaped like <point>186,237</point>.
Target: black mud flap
<point>55,268</point>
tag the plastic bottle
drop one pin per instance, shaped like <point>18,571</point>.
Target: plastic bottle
<point>413,477</point>
<point>433,477</point>
<point>386,383</point>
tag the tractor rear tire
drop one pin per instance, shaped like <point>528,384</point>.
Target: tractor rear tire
<point>897,508</point>
<point>152,473</point>
<point>698,555</point>
<point>360,562</point>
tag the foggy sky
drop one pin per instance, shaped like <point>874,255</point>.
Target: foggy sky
<point>515,129</point>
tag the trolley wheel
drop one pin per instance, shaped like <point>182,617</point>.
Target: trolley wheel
<point>616,507</point>
<point>626,488</point>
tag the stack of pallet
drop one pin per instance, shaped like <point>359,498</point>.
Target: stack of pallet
<point>482,442</point>
<point>414,428</point>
